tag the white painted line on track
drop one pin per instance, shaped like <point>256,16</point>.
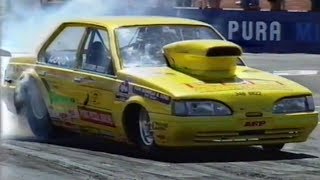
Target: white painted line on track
<point>296,72</point>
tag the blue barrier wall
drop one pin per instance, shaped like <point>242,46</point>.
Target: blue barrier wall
<point>258,31</point>
<point>263,31</point>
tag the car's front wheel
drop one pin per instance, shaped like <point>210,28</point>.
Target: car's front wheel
<point>146,140</point>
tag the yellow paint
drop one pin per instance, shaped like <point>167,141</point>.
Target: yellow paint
<point>191,57</point>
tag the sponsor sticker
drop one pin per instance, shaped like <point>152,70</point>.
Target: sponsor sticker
<point>126,90</point>
<point>123,92</point>
<point>156,96</point>
<point>251,93</point>
<point>254,123</point>
<point>255,86</point>
<point>159,126</point>
<point>95,116</point>
<point>63,108</point>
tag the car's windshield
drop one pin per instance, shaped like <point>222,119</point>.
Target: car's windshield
<point>141,46</point>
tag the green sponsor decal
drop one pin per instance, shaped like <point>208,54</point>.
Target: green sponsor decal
<point>63,107</point>
<point>59,100</point>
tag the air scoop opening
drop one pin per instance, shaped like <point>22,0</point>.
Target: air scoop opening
<point>207,60</point>
<point>223,51</point>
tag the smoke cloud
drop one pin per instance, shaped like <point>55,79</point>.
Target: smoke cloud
<point>26,25</point>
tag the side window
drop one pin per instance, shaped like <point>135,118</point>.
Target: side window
<point>97,56</point>
<point>63,49</point>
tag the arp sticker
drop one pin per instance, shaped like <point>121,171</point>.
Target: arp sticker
<point>95,116</point>
<point>254,123</point>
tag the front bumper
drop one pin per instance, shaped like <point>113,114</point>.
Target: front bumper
<point>171,131</point>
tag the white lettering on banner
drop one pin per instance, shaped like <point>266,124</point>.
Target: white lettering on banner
<point>275,31</point>
<point>233,26</point>
<point>247,31</point>
<point>259,30</point>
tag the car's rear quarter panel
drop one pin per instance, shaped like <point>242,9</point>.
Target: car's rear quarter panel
<point>14,70</point>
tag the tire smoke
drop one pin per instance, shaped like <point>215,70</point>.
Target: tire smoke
<point>26,25</point>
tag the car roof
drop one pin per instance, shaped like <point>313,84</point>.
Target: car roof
<point>119,21</point>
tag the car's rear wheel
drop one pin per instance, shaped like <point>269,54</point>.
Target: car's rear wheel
<point>31,106</point>
<point>273,147</point>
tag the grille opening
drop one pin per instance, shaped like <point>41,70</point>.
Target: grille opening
<point>257,132</point>
<point>254,114</point>
<point>247,136</point>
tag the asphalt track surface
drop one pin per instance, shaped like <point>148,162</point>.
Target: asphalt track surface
<point>82,158</point>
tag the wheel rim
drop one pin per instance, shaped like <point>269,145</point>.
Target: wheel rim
<point>146,133</point>
<point>37,106</point>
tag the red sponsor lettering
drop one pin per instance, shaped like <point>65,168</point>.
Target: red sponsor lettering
<point>95,116</point>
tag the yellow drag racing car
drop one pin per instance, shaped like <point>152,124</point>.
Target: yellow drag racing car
<point>155,82</point>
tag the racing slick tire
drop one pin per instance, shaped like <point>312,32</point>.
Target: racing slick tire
<point>141,131</point>
<point>30,105</point>
<point>146,140</point>
<point>273,147</point>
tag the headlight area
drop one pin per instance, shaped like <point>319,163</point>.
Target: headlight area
<point>294,105</point>
<point>200,108</point>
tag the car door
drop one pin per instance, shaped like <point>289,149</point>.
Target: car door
<point>57,62</point>
<point>96,79</point>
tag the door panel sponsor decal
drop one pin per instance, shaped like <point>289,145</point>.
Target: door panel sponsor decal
<point>63,108</point>
<point>95,116</point>
<point>156,96</point>
<point>126,90</point>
